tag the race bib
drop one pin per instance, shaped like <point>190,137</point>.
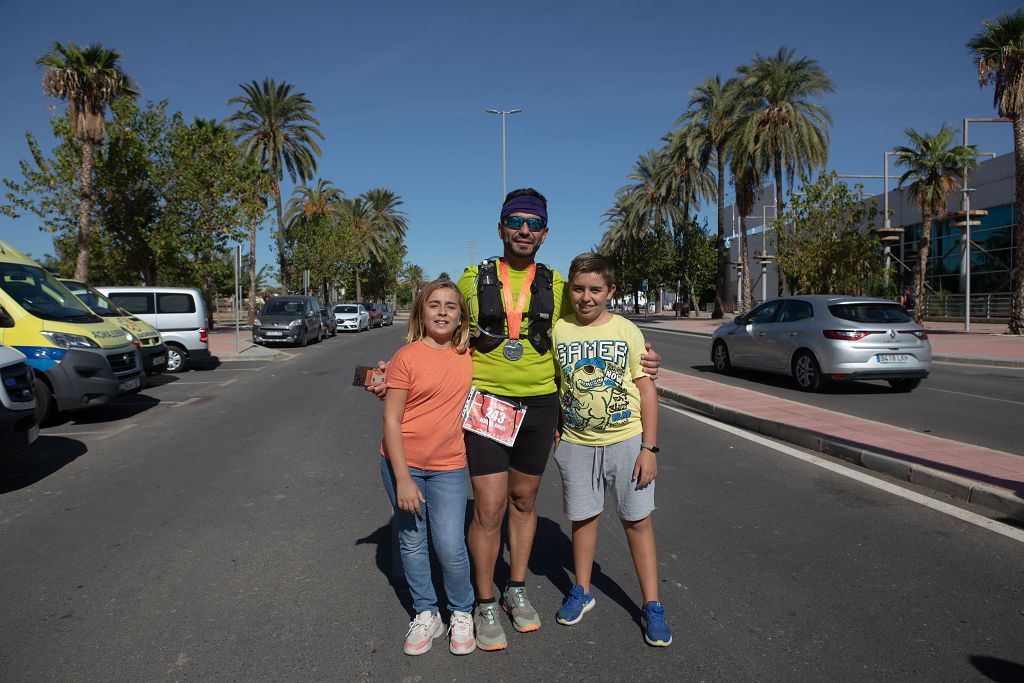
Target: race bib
<point>492,417</point>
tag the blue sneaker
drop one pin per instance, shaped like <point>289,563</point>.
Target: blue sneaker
<point>656,631</point>
<point>576,604</point>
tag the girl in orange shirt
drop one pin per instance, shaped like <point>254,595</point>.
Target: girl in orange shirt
<point>424,464</point>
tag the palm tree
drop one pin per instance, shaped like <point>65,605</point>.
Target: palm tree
<point>277,127</point>
<point>746,180</point>
<point>998,51</point>
<point>784,128</point>
<point>415,278</point>
<point>369,240</point>
<point>938,167</point>
<point>89,79</point>
<point>707,128</point>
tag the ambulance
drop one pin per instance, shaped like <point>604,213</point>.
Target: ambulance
<point>79,359</point>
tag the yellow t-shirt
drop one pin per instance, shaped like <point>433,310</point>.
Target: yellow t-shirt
<point>531,375</point>
<point>599,363</point>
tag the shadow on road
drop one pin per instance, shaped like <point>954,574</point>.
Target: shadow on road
<point>767,379</point>
<point>124,407</point>
<point>995,669</point>
<point>47,455</point>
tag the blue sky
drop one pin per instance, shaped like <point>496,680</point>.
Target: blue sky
<point>401,89</point>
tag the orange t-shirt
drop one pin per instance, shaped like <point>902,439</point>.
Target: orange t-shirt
<point>438,381</point>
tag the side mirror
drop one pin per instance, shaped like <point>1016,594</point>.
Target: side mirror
<point>5,319</point>
<point>738,320</point>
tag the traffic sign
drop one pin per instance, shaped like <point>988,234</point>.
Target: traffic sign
<point>644,286</point>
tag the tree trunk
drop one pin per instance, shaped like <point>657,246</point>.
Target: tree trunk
<point>251,312</point>
<point>359,287</point>
<point>1016,325</point>
<point>282,258</point>
<point>778,226</point>
<point>747,291</point>
<point>85,214</point>
<point>921,267</point>
<point>723,255</point>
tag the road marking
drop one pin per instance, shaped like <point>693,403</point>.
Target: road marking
<point>179,383</point>
<point>224,384</point>
<point>115,432</point>
<point>988,398</point>
<point>187,401</point>
<point>912,496</point>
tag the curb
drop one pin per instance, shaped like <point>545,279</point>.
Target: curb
<point>998,499</point>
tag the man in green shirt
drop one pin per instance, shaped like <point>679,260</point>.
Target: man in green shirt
<point>514,302</point>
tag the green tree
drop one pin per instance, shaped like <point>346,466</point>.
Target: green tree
<point>705,133</point>
<point>998,52</point>
<point>277,127</point>
<point>318,240</point>
<point>827,247</point>
<point>746,181</point>
<point>413,279</point>
<point>88,79</point>
<point>938,166</point>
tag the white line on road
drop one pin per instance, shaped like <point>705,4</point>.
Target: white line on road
<point>186,402</point>
<point>988,398</point>
<point>912,496</point>
<point>115,432</point>
<point>224,384</point>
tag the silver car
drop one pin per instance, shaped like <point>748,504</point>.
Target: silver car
<point>824,338</point>
<point>352,317</point>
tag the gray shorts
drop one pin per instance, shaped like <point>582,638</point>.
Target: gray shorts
<point>588,471</point>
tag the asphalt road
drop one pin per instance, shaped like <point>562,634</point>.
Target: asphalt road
<point>975,404</point>
<point>230,525</point>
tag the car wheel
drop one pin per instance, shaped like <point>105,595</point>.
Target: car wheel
<point>177,359</point>
<point>807,372</point>
<point>720,357</point>
<point>904,385</point>
<point>319,335</point>
<point>45,410</point>
<point>305,338</point>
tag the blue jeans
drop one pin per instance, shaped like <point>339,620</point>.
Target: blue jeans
<point>444,512</point>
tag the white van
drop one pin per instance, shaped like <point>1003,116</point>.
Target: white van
<point>178,312</point>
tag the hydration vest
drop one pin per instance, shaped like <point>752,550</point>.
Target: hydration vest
<point>491,316</point>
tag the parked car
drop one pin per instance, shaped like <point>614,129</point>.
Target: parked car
<point>144,336</point>
<point>18,424</point>
<point>388,315</point>
<point>329,322</point>
<point>376,315</point>
<point>352,317</point>
<point>293,319</point>
<point>178,312</point>
<point>827,338</point>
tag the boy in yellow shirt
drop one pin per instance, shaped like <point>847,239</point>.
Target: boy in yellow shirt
<point>609,437</point>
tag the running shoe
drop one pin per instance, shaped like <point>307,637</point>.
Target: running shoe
<point>460,634</point>
<point>656,631</point>
<point>515,602</point>
<point>489,634</point>
<point>576,604</point>
<point>422,631</point>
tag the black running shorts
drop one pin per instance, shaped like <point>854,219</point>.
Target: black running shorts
<point>532,448</point>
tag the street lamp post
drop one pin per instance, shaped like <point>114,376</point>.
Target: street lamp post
<point>966,201</point>
<point>503,115</point>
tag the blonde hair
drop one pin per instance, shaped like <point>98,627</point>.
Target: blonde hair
<point>417,329</point>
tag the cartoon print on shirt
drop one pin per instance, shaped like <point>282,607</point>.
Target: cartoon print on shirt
<point>593,372</point>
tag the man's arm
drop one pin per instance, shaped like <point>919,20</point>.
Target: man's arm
<point>650,361</point>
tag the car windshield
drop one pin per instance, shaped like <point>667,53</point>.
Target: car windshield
<point>94,300</point>
<point>282,307</point>
<point>870,313</point>
<point>345,309</point>
<point>42,295</point>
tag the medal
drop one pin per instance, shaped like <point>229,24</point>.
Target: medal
<point>513,349</point>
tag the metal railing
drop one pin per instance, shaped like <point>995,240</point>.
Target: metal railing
<point>983,306</point>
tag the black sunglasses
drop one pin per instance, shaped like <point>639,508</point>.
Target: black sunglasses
<point>516,222</point>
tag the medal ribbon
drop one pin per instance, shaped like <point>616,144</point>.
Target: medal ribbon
<point>514,315</point>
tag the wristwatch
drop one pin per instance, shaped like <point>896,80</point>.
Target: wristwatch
<point>650,446</point>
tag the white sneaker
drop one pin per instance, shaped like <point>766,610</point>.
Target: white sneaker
<point>460,634</point>
<point>422,631</point>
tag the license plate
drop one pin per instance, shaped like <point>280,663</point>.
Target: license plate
<point>273,334</point>
<point>130,384</point>
<point>33,433</point>
<point>159,360</point>
<point>894,358</point>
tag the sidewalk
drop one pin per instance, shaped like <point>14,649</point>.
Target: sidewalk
<point>223,346</point>
<point>979,475</point>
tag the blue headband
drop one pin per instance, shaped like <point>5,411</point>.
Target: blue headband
<point>524,203</point>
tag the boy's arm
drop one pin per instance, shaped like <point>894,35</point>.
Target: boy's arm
<point>646,467</point>
<point>407,494</point>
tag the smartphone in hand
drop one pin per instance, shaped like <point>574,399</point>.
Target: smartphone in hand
<point>367,376</point>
